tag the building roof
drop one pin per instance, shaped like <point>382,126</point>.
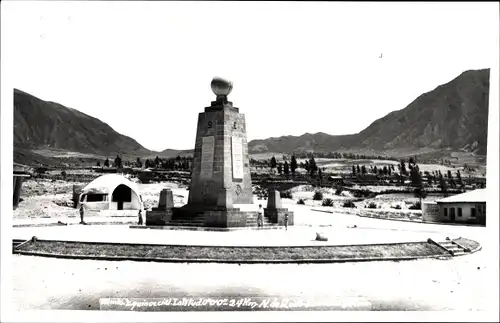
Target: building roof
<point>106,184</point>
<point>478,195</point>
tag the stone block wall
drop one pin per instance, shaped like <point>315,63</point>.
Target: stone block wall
<point>222,124</point>
<point>162,217</point>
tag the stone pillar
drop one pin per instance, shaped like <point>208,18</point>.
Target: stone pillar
<point>18,182</point>
<point>275,211</point>
<point>166,200</point>
<point>162,214</point>
<point>220,159</point>
<point>273,199</point>
<point>77,190</point>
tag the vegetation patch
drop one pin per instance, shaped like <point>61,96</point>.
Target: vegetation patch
<point>318,196</point>
<point>233,254</point>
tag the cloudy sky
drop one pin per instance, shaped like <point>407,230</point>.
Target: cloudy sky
<point>145,67</point>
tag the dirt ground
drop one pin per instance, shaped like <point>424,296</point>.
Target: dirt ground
<point>459,284</point>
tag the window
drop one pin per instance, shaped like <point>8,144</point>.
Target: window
<point>445,211</point>
<point>209,124</point>
<point>96,197</point>
<point>459,210</point>
<point>472,212</point>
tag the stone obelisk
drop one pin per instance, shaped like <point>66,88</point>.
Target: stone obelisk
<point>221,171</point>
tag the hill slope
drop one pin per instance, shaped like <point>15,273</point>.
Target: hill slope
<point>453,116</point>
<point>40,124</point>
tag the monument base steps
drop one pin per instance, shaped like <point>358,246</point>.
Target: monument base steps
<point>213,217</point>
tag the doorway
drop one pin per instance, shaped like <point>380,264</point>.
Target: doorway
<point>121,194</point>
<point>452,214</point>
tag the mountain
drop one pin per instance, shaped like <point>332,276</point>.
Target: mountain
<point>454,116</point>
<point>451,118</point>
<point>42,125</point>
<point>169,153</point>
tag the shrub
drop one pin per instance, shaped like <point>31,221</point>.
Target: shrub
<point>63,173</point>
<point>372,205</point>
<point>286,194</point>
<point>397,207</point>
<point>301,201</point>
<point>327,202</point>
<point>349,204</point>
<point>338,191</point>
<point>416,206</point>
<point>318,196</point>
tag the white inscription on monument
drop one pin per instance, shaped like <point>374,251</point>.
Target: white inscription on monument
<point>237,152</point>
<point>207,157</point>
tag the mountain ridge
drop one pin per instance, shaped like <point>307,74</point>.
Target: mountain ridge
<point>453,116</point>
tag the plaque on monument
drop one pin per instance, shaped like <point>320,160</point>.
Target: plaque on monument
<point>207,157</point>
<point>237,152</point>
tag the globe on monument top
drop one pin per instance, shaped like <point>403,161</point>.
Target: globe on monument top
<point>221,86</point>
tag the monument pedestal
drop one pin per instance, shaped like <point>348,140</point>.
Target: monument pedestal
<point>275,212</point>
<point>161,215</point>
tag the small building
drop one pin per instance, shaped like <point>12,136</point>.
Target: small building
<point>469,207</point>
<point>336,180</point>
<point>111,192</point>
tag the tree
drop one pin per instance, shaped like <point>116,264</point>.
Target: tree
<point>286,169</point>
<point>320,176</point>
<point>385,170</point>
<point>353,170</point>
<point>118,162</point>
<point>403,168</point>
<point>411,161</point>
<point>375,170</point>
<point>442,183</point>
<point>452,181</point>
<point>157,161</point>
<point>273,162</point>
<point>312,165</point>
<point>358,169</point>
<point>279,169</point>
<point>416,178</point>
<point>363,170</point>
<point>293,164</point>
<point>459,178</point>
<point>106,163</point>
<point>98,164</point>
<point>138,162</point>
<point>420,193</point>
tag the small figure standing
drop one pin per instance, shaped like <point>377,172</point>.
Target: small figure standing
<point>260,217</point>
<point>140,217</point>
<point>82,213</point>
<point>286,221</point>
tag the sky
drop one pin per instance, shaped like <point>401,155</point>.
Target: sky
<point>145,67</point>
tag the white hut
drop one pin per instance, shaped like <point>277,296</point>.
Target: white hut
<point>467,207</point>
<point>111,192</point>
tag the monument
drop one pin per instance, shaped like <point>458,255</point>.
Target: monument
<point>221,178</point>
